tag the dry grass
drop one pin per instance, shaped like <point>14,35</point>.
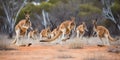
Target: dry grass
<point>4,46</point>
<point>64,56</point>
<point>97,58</point>
<point>76,44</point>
<point>114,49</point>
<point>100,56</point>
<point>5,43</point>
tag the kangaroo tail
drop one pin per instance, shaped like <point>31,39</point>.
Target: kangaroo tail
<point>111,38</point>
<point>52,39</point>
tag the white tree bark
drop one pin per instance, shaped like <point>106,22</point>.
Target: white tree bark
<point>20,10</point>
<point>45,17</point>
<point>107,11</point>
<point>12,10</point>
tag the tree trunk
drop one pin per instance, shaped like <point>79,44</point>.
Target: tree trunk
<point>44,18</point>
<point>108,13</point>
<point>13,21</point>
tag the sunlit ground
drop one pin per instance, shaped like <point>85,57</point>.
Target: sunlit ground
<point>50,51</point>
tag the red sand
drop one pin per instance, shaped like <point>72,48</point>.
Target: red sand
<point>57,52</point>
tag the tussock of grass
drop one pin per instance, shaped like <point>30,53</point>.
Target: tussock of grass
<point>62,50</point>
<point>65,56</point>
<point>114,49</point>
<point>76,44</point>
<point>5,47</point>
<point>96,58</point>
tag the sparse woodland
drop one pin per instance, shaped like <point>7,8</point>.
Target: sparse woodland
<point>53,12</point>
<point>59,29</point>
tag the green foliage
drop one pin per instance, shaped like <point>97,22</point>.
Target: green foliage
<point>86,9</point>
<point>29,8</point>
<point>32,8</point>
<point>116,7</point>
<point>46,6</point>
<point>56,1</point>
<point>117,1</point>
<point>83,13</point>
<point>53,1</point>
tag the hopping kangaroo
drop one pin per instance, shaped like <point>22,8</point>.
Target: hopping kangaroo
<point>67,26</point>
<point>102,32</point>
<point>64,29</point>
<point>21,27</point>
<point>80,30</point>
<point>54,32</point>
<point>33,34</point>
<point>45,33</point>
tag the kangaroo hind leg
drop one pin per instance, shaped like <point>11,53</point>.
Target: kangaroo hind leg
<point>107,40</point>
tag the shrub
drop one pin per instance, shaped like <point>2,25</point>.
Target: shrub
<point>116,7</point>
<point>76,44</point>
<point>86,9</point>
<point>46,6</point>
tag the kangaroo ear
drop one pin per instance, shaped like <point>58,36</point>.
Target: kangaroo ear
<point>93,21</point>
<point>83,23</point>
<point>72,18</point>
<point>96,19</point>
<point>48,27</point>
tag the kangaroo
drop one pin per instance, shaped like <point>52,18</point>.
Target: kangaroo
<point>54,32</point>
<point>101,32</point>
<point>64,28</point>
<point>55,37</point>
<point>21,27</point>
<point>45,33</point>
<point>32,34</point>
<point>67,26</point>
<point>80,30</point>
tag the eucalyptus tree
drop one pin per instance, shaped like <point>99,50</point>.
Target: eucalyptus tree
<point>12,9</point>
<point>108,12</point>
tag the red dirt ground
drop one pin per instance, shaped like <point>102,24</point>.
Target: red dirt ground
<point>57,52</point>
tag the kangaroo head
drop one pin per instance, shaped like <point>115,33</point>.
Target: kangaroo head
<point>27,15</point>
<point>94,21</point>
<point>84,26</point>
<point>72,18</point>
<point>71,25</point>
<point>35,31</point>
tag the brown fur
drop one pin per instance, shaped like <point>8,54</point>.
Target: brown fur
<point>102,32</point>
<point>45,33</point>
<point>64,28</point>
<point>32,34</point>
<point>54,32</point>
<point>52,39</point>
<point>21,27</point>
<point>67,26</point>
<point>81,29</point>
